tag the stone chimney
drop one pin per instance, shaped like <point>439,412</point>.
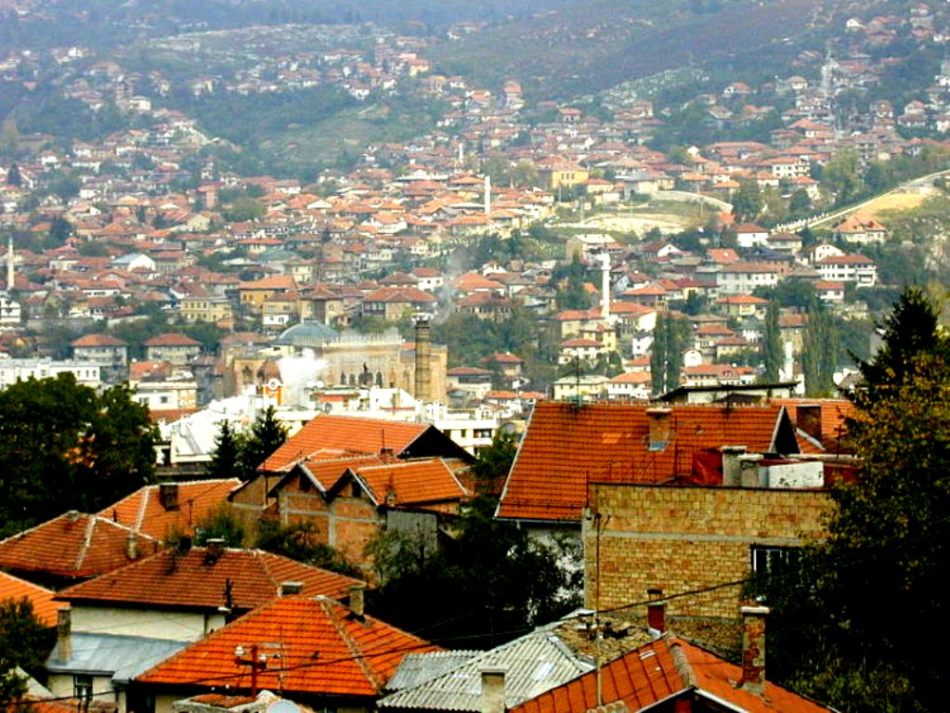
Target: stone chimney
<point>64,641</point>
<point>357,600</point>
<point>749,473</point>
<point>660,427</point>
<point>731,467</point>
<point>132,546</point>
<point>656,610</point>
<point>423,375</point>
<point>808,419</point>
<point>168,495</point>
<point>753,649</point>
<point>492,698</point>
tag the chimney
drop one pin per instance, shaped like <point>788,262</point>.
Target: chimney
<point>731,468</point>
<point>168,495</point>
<point>72,515</point>
<point>64,648</point>
<point>288,588</point>
<point>808,419</point>
<point>214,548</point>
<point>423,385</point>
<point>656,610</point>
<point>493,690</point>
<point>753,649</point>
<point>749,475</point>
<point>659,421</point>
<point>131,546</point>
<point>184,544</point>
<point>356,599</point>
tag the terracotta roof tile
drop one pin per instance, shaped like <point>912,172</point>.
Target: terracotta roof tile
<point>566,447</point>
<point>323,648</point>
<point>197,579</point>
<point>341,435</point>
<point>144,512</point>
<point>73,545</point>
<point>171,340</point>
<point>42,599</point>
<point>412,482</point>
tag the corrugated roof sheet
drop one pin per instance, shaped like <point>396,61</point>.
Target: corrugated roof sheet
<point>533,664</point>
<point>416,669</point>
<point>122,657</point>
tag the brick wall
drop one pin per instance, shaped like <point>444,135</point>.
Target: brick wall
<point>682,538</point>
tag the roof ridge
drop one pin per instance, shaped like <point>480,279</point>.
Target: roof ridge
<point>143,506</point>
<point>87,541</point>
<point>681,662</point>
<point>359,656</point>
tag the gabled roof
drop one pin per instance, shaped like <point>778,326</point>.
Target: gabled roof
<point>144,512</point>
<point>73,545</point>
<point>665,669</point>
<point>336,436</point>
<point>172,340</point>
<point>324,649</point>
<point>411,482</point>
<point>97,340</point>
<point>44,608</point>
<point>566,447</point>
<point>197,579</point>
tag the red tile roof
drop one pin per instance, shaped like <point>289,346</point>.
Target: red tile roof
<point>73,545</point>
<point>412,482</point>
<point>42,599</point>
<point>98,340</point>
<point>566,447</point>
<point>171,340</point>
<point>196,580</point>
<point>665,669</point>
<point>143,510</point>
<point>342,435</point>
<point>323,649</point>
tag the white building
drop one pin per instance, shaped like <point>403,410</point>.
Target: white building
<point>857,269</point>
<point>13,370</point>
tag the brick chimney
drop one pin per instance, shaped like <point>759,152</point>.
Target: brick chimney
<point>731,469</point>
<point>808,419</point>
<point>357,600</point>
<point>423,365</point>
<point>656,610</point>
<point>660,427</point>
<point>753,649</point>
<point>64,641</point>
<point>214,548</point>
<point>492,698</point>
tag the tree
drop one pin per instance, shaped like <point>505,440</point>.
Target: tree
<point>799,205</point>
<point>25,643</point>
<point>747,201</point>
<point>226,457</point>
<point>266,436</point>
<point>300,541</point>
<point>485,583</point>
<point>220,523</point>
<point>63,446</point>
<point>772,344</point>
<point>841,177</point>
<point>888,534</point>
<point>666,355</point>
<point>495,460</point>
<point>819,351</point>
<point>13,176</point>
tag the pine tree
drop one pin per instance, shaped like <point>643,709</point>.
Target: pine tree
<point>819,351</point>
<point>226,459</point>
<point>13,176</point>
<point>267,435</point>
<point>666,353</point>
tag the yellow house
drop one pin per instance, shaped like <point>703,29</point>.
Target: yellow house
<point>557,173</point>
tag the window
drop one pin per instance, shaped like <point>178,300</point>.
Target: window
<point>767,559</point>
<point>82,687</point>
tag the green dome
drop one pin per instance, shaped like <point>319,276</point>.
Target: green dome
<point>307,334</point>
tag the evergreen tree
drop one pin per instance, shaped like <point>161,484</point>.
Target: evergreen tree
<point>13,176</point>
<point>772,344</point>
<point>226,459</point>
<point>819,351</point>
<point>888,535</point>
<point>666,354</point>
<point>266,436</point>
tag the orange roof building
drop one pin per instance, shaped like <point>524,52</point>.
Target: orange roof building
<point>566,447</point>
<point>317,651</point>
<point>41,599</point>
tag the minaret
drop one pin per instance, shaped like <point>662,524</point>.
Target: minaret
<point>487,195</point>
<point>11,266</point>
<point>423,371</point>
<point>605,285</point>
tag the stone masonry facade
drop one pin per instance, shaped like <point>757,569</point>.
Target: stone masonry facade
<point>681,538</point>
